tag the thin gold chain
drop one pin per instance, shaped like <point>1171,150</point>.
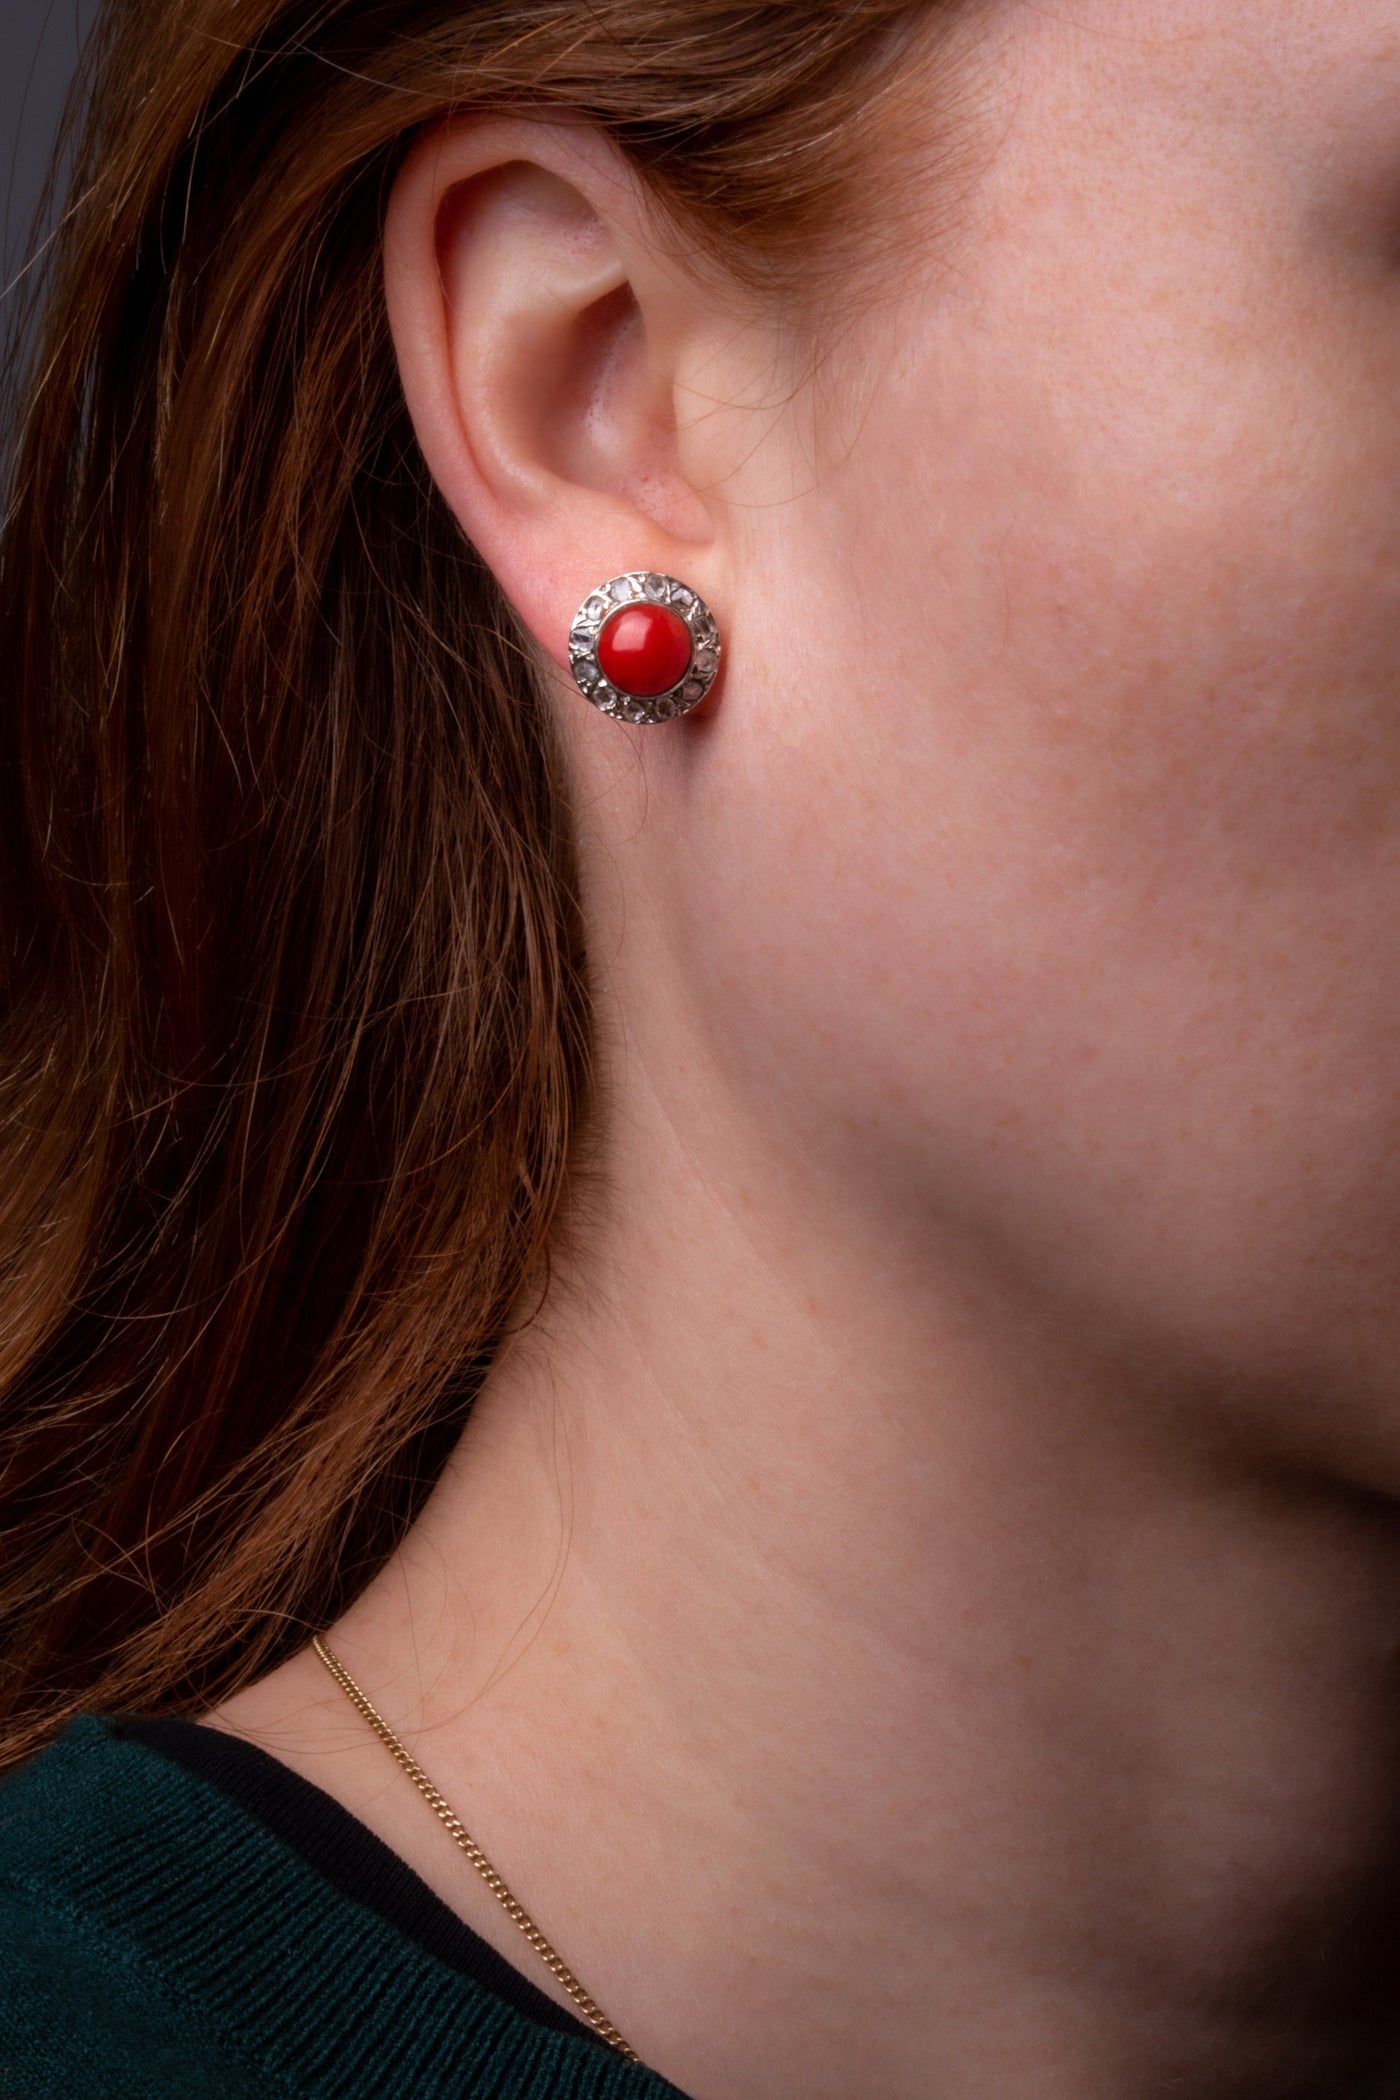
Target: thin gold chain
<point>592,2012</point>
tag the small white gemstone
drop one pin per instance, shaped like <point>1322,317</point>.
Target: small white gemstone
<point>597,608</point>
<point>623,589</point>
<point>693,690</point>
<point>654,587</point>
<point>682,597</point>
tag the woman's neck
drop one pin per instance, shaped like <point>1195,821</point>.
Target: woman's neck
<point>870,1690</point>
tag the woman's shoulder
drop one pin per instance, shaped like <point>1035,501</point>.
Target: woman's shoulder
<point>160,1939</point>
<point>81,2018</point>
<point>87,2011</point>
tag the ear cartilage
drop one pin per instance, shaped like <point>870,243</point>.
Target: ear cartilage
<point>644,647</point>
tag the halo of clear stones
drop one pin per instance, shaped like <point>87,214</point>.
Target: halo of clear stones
<point>644,586</point>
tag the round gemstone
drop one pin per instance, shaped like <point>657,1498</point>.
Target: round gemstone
<point>645,649</point>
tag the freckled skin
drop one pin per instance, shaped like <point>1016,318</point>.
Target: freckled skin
<point>1072,895</point>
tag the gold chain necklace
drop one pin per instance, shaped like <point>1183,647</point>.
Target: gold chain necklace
<point>591,2011</point>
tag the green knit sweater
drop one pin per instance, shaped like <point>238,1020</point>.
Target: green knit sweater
<point>167,1935</point>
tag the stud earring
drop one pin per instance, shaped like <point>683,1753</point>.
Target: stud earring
<point>644,648</point>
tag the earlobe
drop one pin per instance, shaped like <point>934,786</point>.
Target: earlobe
<point>537,346</point>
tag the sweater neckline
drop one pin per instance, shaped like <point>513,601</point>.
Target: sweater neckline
<point>201,1933</point>
<point>347,1854</point>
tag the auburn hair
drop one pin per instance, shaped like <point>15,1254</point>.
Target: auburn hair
<point>294,1024</point>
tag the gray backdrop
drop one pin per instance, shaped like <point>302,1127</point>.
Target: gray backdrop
<point>39,42</point>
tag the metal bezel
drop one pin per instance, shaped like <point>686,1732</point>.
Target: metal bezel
<point>644,587</point>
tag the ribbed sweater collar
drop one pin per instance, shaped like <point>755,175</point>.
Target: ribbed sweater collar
<point>321,1993</point>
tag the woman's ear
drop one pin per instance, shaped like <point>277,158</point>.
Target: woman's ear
<point>543,331</point>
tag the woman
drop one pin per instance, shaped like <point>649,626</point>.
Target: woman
<point>800,1295</point>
